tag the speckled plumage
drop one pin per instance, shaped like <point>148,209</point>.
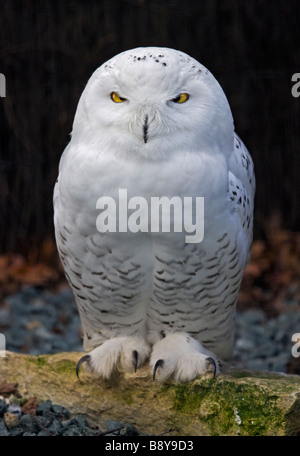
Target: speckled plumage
<point>149,294</point>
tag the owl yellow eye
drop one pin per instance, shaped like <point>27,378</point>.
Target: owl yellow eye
<point>182,98</point>
<point>116,98</point>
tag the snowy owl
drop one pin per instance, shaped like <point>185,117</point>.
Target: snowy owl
<point>153,214</point>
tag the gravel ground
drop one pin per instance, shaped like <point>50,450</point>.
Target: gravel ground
<point>37,321</point>
<point>53,420</point>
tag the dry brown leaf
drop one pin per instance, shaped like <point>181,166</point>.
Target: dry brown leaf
<point>30,406</point>
<point>6,389</point>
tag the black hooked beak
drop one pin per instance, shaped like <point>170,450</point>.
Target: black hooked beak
<point>145,129</point>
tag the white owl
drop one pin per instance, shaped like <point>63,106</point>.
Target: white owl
<point>152,123</point>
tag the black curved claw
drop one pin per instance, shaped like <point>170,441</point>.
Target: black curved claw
<point>158,364</point>
<point>213,363</point>
<point>135,359</point>
<point>84,359</point>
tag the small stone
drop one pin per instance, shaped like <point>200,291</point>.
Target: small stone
<point>28,423</point>
<point>73,430</point>
<point>5,317</point>
<point>16,431</point>
<point>245,344</point>
<point>67,423</point>
<point>129,430</point>
<point>3,429</point>
<point>81,421</point>
<point>10,420</point>
<point>60,410</point>
<point>14,408</point>
<point>43,422</point>
<point>43,433</point>
<point>112,425</point>
<point>89,431</point>
<point>44,407</point>
<point>50,416</point>
<point>55,427</point>
<point>45,410</point>
<point>33,324</point>
<point>3,406</point>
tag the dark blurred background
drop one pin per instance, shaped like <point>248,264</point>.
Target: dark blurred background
<point>48,50</point>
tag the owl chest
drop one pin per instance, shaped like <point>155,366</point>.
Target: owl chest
<point>179,198</point>
<point>178,177</point>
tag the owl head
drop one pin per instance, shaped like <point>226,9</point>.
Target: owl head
<point>151,103</point>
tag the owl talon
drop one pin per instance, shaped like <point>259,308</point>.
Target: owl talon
<point>158,364</point>
<point>135,359</point>
<point>85,358</point>
<point>213,363</point>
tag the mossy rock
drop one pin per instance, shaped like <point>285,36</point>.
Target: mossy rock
<point>235,403</point>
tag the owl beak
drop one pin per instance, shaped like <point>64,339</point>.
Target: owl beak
<point>148,122</point>
<point>145,129</point>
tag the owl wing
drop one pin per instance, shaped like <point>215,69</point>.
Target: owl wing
<point>241,188</point>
